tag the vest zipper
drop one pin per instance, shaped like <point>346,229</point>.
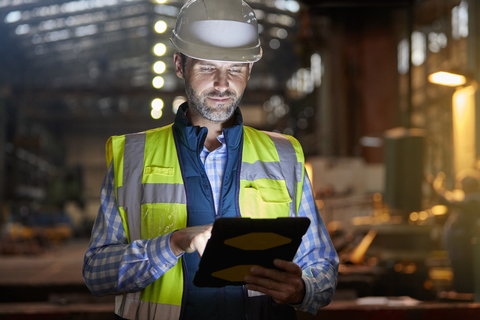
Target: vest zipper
<point>209,186</point>
<point>220,196</point>
<point>199,149</point>
<point>237,182</point>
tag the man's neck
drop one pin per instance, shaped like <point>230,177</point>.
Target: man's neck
<point>214,128</point>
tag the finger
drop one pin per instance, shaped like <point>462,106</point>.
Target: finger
<point>291,291</point>
<point>268,280</point>
<point>279,296</point>
<point>258,288</point>
<point>200,251</point>
<point>191,248</point>
<point>276,280</point>
<point>289,266</point>
<point>208,232</point>
<point>199,242</point>
<point>263,285</point>
<point>272,274</point>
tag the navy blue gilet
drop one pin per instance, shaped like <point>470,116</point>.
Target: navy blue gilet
<point>208,303</point>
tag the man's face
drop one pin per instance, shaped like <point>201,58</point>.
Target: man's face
<point>214,89</point>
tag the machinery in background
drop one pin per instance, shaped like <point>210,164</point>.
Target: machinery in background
<point>380,257</point>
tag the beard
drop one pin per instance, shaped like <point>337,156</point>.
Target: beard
<point>219,113</point>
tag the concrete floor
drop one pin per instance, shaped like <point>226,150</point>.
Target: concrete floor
<point>57,266</point>
<point>49,286</point>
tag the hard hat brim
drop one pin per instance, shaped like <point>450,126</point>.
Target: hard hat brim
<point>240,55</point>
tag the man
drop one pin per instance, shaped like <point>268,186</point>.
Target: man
<point>165,187</point>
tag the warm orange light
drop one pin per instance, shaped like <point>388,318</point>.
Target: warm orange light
<point>458,195</point>
<point>439,210</point>
<point>463,118</point>
<point>438,273</point>
<point>428,284</point>
<point>308,167</point>
<point>411,268</point>
<point>422,215</point>
<point>447,79</point>
<point>357,255</point>
<point>320,204</point>
<point>414,216</point>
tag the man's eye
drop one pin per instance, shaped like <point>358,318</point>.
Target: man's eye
<point>235,70</point>
<point>207,69</point>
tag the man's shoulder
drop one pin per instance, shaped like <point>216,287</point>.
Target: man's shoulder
<point>279,135</point>
<point>275,136</point>
<point>149,131</point>
<point>283,142</point>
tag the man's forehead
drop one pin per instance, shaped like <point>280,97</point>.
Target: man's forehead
<point>219,63</point>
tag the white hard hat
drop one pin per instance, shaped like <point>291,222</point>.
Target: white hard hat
<point>219,30</point>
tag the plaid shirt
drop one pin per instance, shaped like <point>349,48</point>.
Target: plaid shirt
<point>112,265</point>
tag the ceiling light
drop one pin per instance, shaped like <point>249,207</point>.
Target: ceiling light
<point>177,101</point>
<point>160,49</point>
<point>158,82</point>
<point>159,67</point>
<point>160,26</point>
<point>156,114</point>
<point>157,104</point>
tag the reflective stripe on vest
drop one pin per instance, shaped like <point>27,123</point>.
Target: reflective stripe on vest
<point>271,177</point>
<point>148,180</point>
<point>157,192</point>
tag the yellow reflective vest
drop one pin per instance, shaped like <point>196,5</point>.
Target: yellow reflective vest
<point>151,198</point>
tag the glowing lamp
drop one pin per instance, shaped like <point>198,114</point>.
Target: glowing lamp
<point>447,79</point>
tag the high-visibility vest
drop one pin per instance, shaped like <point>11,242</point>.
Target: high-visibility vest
<point>152,201</point>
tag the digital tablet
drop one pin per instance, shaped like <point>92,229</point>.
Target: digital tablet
<point>237,244</point>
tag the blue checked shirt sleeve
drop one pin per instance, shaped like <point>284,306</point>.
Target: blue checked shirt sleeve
<point>111,264</point>
<point>316,256</point>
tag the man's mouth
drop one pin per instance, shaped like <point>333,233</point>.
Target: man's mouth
<point>219,100</point>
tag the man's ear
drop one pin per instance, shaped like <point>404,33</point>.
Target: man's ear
<point>177,58</point>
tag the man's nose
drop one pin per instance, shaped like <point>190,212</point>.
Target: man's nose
<point>221,81</point>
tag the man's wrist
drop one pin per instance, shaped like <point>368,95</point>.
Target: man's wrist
<point>300,295</point>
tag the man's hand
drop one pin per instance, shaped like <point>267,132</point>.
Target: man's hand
<point>190,239</point>
<point>283,286</point>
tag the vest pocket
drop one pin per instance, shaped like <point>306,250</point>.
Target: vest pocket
<point>161,218</point>
<point>264,198</point>
<point>162,171</point>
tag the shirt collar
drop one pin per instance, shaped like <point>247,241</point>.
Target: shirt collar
<point>194,136</point>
